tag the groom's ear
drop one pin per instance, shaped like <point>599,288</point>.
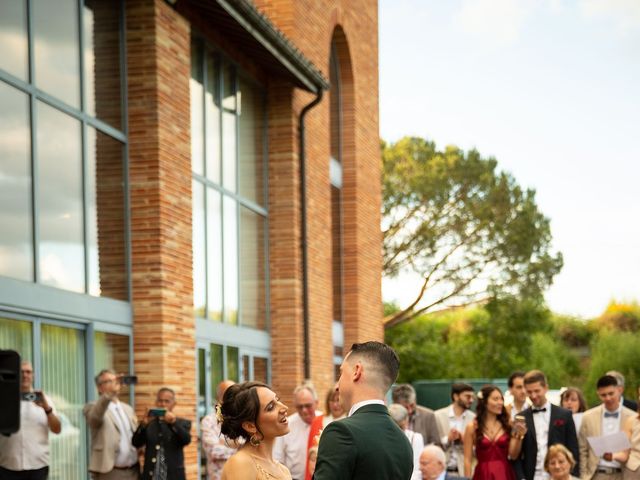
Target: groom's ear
<point>358,371</point>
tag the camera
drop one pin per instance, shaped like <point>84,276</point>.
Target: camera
<point>129,380</point>
<point>32,396</point>
<point>157,412</point>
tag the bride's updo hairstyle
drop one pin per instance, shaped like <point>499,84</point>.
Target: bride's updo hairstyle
<point>240,404</point>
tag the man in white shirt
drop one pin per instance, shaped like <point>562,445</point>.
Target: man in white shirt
<point>518,394</point>
<point>291,449</point>
<point>452,421</point>
<point>547,425</point>
<point>604,419</point>
<point>112,424</point>
<point>25,454</point>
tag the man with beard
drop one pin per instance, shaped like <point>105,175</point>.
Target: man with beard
<point>452,421</point>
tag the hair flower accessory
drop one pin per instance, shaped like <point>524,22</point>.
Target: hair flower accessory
<point>219,416</point>
<point>479,395</point>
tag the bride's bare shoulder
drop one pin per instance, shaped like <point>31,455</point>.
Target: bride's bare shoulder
<point>240,465</point>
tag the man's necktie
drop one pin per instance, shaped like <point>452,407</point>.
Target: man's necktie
<point>611,414</point>
<point>538,410</point>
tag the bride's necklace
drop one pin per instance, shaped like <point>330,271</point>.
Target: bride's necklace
<point>272,465</point>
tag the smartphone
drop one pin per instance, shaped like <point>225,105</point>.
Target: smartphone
<point>520,419</point>
<point>129,380</point>
<point>157,412</point>
<point>32,396</point>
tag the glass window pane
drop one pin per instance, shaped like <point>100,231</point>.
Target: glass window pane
<point>56,52</point>
<point>212,112</point>
<point>336,252</point>
<point>13,38</point>
<point>251,143</point>
<point>245,368</point>
<point>217,366</point>
<point>228,86</point>
<point>252,269</point>
<point>60,200</point>
<point>199,263</point>
<point>260,370</point>
<point>197,110</point>
<point>214,255</point>
<point>233,364</point>
<point>101,23</point>
<point>112,352</point>
<point>229,150</point>
<point>202,383</point>
<point>16,247</point>
<point>16,335</point>
<point>335,106</point>
<point>105,217</point>
<point>63,379</point>
<point>230,234</point>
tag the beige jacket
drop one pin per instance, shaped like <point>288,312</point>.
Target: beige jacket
<point>442,417</point>
<point>105,434</point>
<point>592,427</point>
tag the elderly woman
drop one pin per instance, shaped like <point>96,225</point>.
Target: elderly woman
<point>401,416</point>
<point>559,462</point>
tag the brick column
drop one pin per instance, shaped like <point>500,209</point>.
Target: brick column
<point>158,60</point>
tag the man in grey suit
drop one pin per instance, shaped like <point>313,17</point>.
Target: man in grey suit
<point>422,420</point>
<point>112,424</point>
<point>367,445</point>
<point>452,421</point>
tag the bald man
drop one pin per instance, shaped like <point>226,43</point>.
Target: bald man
<point>216,448</point>
<point>25,454</point>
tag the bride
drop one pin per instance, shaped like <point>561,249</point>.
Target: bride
<point>253,413</point>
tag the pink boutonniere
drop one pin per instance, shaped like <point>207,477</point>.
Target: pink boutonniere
<point>558,422</point>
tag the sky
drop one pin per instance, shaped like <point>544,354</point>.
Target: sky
<point>551,89</point>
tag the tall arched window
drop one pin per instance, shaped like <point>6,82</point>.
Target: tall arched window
<point>335,172</point>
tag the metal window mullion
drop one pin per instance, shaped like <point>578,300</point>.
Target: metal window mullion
<point>37,356</point>
<point>203,66</point>
<point>83,148</point>
<point>90,361</point>
<point>238,205</point>
<point>218,95</point>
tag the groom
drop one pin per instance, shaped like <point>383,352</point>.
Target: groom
<point>367,445</point>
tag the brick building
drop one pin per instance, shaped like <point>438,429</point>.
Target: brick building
<point>189,190</point>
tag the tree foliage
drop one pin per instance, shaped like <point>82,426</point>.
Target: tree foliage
<point>465,228</point>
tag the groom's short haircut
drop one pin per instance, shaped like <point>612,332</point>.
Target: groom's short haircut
<point>381,357</point>
<point>534,376</point>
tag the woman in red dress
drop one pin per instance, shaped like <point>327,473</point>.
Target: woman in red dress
<point>494,438</point>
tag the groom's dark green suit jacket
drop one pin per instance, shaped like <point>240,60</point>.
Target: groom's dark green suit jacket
<point>368,445</point>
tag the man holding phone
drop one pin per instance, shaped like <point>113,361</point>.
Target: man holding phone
<point>112,424</point>
<point>25,454</point>
<point>164,436</point>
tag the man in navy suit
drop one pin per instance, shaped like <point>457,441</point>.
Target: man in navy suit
<point>547,425</point>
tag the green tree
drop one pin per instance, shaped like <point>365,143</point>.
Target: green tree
<point>614,350</point>
<point>464,227</point>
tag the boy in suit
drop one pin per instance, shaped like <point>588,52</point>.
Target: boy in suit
<point>547,425</point>
<point>604,419</point>
<point>367,445</point>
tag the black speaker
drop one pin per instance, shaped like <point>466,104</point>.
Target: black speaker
<point>9,391</point>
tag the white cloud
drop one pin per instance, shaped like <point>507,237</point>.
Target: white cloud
<point>499,21</point>
<point>625,13</point>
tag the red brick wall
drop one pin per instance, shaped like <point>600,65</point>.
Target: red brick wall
<point>310,25</point>
<point>158,46</point>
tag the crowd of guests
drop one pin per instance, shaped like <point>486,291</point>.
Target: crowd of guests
<point>358,435</point>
